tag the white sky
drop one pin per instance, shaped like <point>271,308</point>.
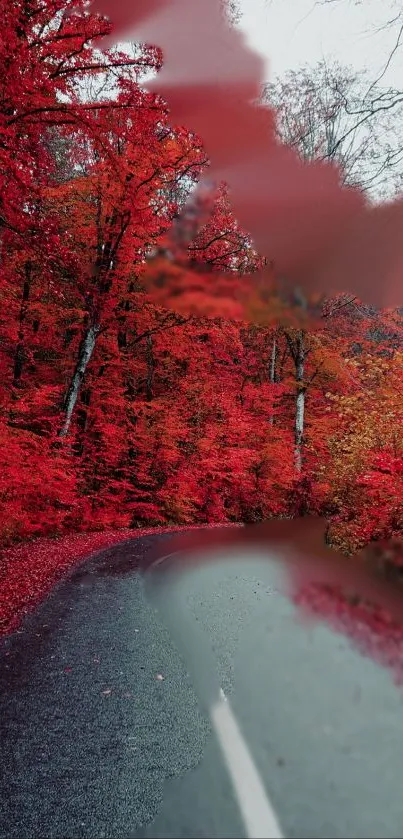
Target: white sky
<point>294,32</point>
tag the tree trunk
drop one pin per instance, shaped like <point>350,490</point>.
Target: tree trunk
<point>272,372</point>
<point>84,356</point>
<point>150,368</point>
<point>19,357</point>
<point>101,283</point>
<point>300,399</point>
<point>82,418</point>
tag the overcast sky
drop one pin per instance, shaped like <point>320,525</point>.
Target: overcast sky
<point>293,32</point>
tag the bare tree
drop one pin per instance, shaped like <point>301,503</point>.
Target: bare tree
<point>330,112</point>
<point>390,22</point>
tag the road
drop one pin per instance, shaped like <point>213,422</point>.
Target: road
<point>103,734</point>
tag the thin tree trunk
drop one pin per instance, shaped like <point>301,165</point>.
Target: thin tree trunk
<point>300,399</point>
<point>84,356</point>
<point>150,368</point>
<point>101,282</point>
<point>82,418</point>
<point>19,357</point>
<point>273,361</point>
<point>272,372</point>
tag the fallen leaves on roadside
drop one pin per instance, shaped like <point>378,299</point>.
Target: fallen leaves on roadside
<point>29,570</point>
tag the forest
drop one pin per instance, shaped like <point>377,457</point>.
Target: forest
<point>118,410</point>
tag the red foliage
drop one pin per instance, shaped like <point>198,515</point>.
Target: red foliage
<point>370,629</point>
<point>156,378</point>
<point>29,571</point>
<point>319,233</point>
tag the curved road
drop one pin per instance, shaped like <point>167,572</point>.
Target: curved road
<point>104,736</point>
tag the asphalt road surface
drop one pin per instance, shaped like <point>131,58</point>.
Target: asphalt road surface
<point>103,735</point>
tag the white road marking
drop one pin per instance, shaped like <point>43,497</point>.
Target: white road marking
<point>257,812</point>
<point>259,817</point>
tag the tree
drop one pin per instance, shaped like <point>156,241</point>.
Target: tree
<point>391,21</point>
<point>320,113</point>
<point>47,51</point>
<point>120,215</point>
<point>217,397</point>
<point>365,464</point>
